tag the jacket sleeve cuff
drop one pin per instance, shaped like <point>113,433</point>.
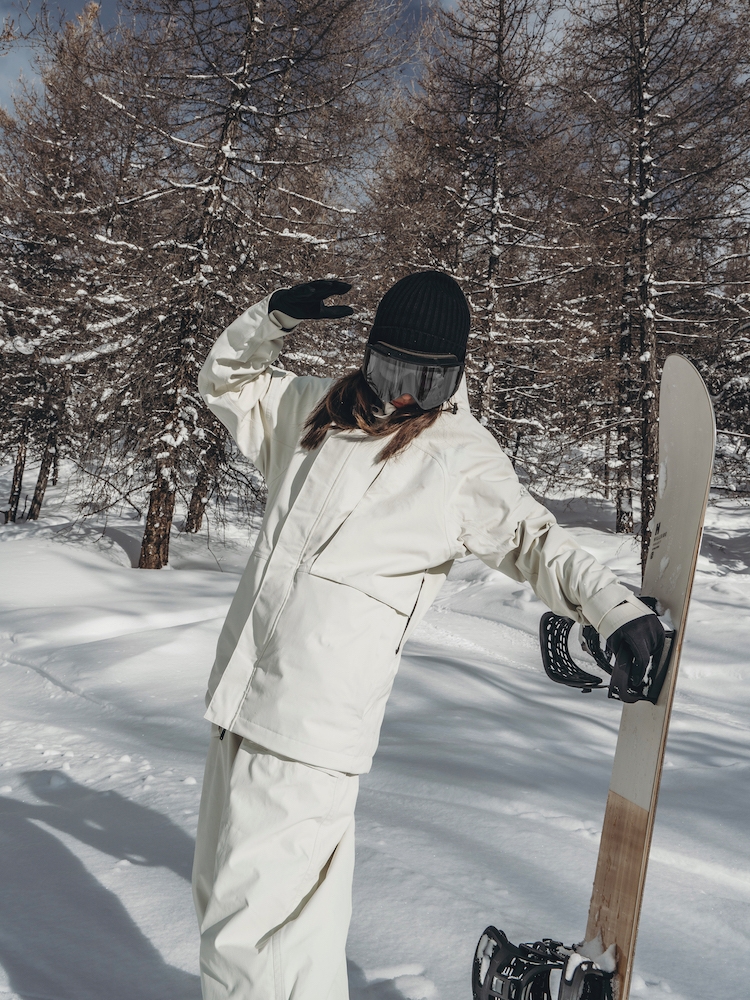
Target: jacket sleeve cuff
<point>245,350</point>
<point>628,611</point>
<point>284,322</point>
<point>611,607</point>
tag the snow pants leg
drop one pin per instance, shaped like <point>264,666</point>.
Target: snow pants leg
<point>272,877</point>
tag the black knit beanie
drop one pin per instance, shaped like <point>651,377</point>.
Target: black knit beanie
<point>426,312</point>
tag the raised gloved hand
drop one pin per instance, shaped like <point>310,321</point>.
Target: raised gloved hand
<point>306,301</point>
<point>640,640</point>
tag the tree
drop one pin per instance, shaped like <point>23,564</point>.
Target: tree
<point>61,164</point>
<point>474,184</point>
<point>656,105</point>
<point>265,105</point>
<point>172,168</point>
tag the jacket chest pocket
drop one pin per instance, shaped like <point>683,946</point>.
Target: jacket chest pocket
<point>400,591</point>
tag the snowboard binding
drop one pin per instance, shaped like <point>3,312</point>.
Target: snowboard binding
<point>559,665</point>
<point>544,970</point>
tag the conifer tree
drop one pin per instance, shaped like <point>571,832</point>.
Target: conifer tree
<point>653,97</point>
<point>471,185</point>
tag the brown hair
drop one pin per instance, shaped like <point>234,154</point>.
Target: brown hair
<point>350,404</point>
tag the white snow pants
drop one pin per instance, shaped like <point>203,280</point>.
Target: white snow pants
<point>272,877</point>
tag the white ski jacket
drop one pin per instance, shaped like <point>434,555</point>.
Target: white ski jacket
<point>352,552</point>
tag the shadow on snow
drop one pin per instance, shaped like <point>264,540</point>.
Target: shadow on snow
<point>64,935</point>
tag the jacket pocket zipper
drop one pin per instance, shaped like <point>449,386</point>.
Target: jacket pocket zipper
<point>408,620</point>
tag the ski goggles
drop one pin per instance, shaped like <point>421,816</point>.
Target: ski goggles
<point>430,379</point>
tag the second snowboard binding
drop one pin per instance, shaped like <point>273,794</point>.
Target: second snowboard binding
<point>544,970</point>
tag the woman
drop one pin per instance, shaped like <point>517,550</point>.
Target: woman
<point>376,483</point>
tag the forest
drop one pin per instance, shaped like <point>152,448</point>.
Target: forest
<point>581,169</point>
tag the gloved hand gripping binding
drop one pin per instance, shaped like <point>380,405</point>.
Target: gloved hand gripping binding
<point>636,655</point>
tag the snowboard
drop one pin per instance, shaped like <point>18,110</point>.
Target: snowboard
<point>546,969</point>
<point>687,436</point>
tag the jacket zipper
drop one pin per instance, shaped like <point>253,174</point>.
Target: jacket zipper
<point>408,620</point>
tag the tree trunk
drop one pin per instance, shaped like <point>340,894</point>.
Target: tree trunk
<point>155,544</point>
<point>649,430</point>
<point>626,394</point>
<point>624,488</point>
<point>516,447</point>
<point>17,486</point>
<point>646,297</point>
<point>198,500</point>
<point>43,477</point>
<point>486,401</point>
<point>624,515</point>
<point>496,188</point>
<point>607,456</point>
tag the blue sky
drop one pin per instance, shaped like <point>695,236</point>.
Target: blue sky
<point>16,61</point>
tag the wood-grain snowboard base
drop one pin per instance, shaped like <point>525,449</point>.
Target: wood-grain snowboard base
<point>619,873</point>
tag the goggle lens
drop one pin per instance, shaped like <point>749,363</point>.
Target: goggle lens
<point>390,374</point>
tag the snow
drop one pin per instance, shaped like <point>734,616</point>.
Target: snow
<point>572,964</point>
<point>606,960</point>
<point>484,804</point>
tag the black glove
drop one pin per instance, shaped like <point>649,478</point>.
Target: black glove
<point>306,301</point>
<point>643,639</point>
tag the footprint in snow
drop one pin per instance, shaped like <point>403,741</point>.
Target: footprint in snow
<point>406,981</point>
<point>651,989</point>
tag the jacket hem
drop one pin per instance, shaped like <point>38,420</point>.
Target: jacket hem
<point>295,749</point>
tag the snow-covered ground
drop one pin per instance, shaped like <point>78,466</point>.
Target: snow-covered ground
<point>484,804</point>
